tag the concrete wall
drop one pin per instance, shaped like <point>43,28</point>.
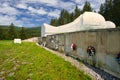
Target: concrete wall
<point>105,41</point>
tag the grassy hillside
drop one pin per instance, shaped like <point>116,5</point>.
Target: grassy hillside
<point>27,61</point>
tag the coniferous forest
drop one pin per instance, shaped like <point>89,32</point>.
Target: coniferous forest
<point>10,32</point>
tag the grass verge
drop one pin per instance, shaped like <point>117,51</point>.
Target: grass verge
<point>27,61</point>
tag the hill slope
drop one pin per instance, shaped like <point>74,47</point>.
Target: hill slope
<point>30,62</point>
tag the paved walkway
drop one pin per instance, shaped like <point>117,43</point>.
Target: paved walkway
<point>33,39</point>
<point>96,73</point>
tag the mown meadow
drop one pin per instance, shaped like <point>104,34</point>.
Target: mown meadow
<point>27,61</point>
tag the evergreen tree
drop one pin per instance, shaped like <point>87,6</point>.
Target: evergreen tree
<point>102,9</point>
<point>77,12</point>
<point>71,17</point>
<point>108,10</point>
<point>62,17</point>
<point>54,22</point>
<point>11,32</point>
<point>87,7</point>
<point>111,11</point>
<point>66,17</point>
<point>1,34</point>
<point>51,22</point>
<point>22,33</point>
<point>60,21</point>
<point>116,12</point>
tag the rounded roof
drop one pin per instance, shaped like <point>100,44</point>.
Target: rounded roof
<point>109,24</point>
<point>86,21</point>
<point>92,18</point>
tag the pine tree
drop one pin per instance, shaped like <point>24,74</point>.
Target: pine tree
<point>116,12</point>
<point>54,22</point>
<point>87,7</point>
<point>102,9</point>
<point>111,11</point>
<point>66,17</point>
<point>11,32</point>
<point>71,17</point>
<point>62,18</point>
<point>22,33</point>
<point>108,10</point>
<point>77,12</point>
<point>1,34</point>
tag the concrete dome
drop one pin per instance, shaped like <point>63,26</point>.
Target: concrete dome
<point>109,24</point>
<point>86,21</point>
<point>91,18</point>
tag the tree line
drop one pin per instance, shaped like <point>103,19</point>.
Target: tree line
<point>12,32</point>
<point>110,10</point>
<point>66,17</point>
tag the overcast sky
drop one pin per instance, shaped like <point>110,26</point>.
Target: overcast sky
<point>32,13</point>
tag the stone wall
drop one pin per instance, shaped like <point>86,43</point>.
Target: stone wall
<point>105,41</point>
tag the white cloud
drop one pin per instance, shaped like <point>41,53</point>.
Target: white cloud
<point>40,11</point>
<point>30,24</point>
<point>31,9</point>
<point>54,13</point>
<point>22,6</point>
<point>39,20</point>
<point>5,4</point>
<point>35,12</point>
<point>95,4</point>
<point>6,19</point>
<point>78,1</point>
<point>82,1</point>
<point>18,22</point>
<point>24,19</point>
<point>99,1</point>
<point>49,2</point>
<point>6,9</point>
<point>52,3</point>
<point>66,5</point>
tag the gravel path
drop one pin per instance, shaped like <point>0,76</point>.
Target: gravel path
<point>96,73</point>
<point>33,39</point>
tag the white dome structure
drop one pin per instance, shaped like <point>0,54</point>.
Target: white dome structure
<point>86,21</point>
<point>91,18</point>
<point>109,24</point>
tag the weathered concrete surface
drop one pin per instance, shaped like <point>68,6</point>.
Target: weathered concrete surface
<point>97,74</point>
<point>105,41</point>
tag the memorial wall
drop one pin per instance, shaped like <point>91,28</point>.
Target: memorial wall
<point>96,41</point>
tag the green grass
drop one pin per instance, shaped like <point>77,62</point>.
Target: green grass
<point>27,61</point>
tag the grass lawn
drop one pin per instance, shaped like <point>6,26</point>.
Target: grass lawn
<point>27,61</point>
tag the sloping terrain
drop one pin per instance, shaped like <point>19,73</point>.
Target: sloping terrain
<point>27,61</point>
